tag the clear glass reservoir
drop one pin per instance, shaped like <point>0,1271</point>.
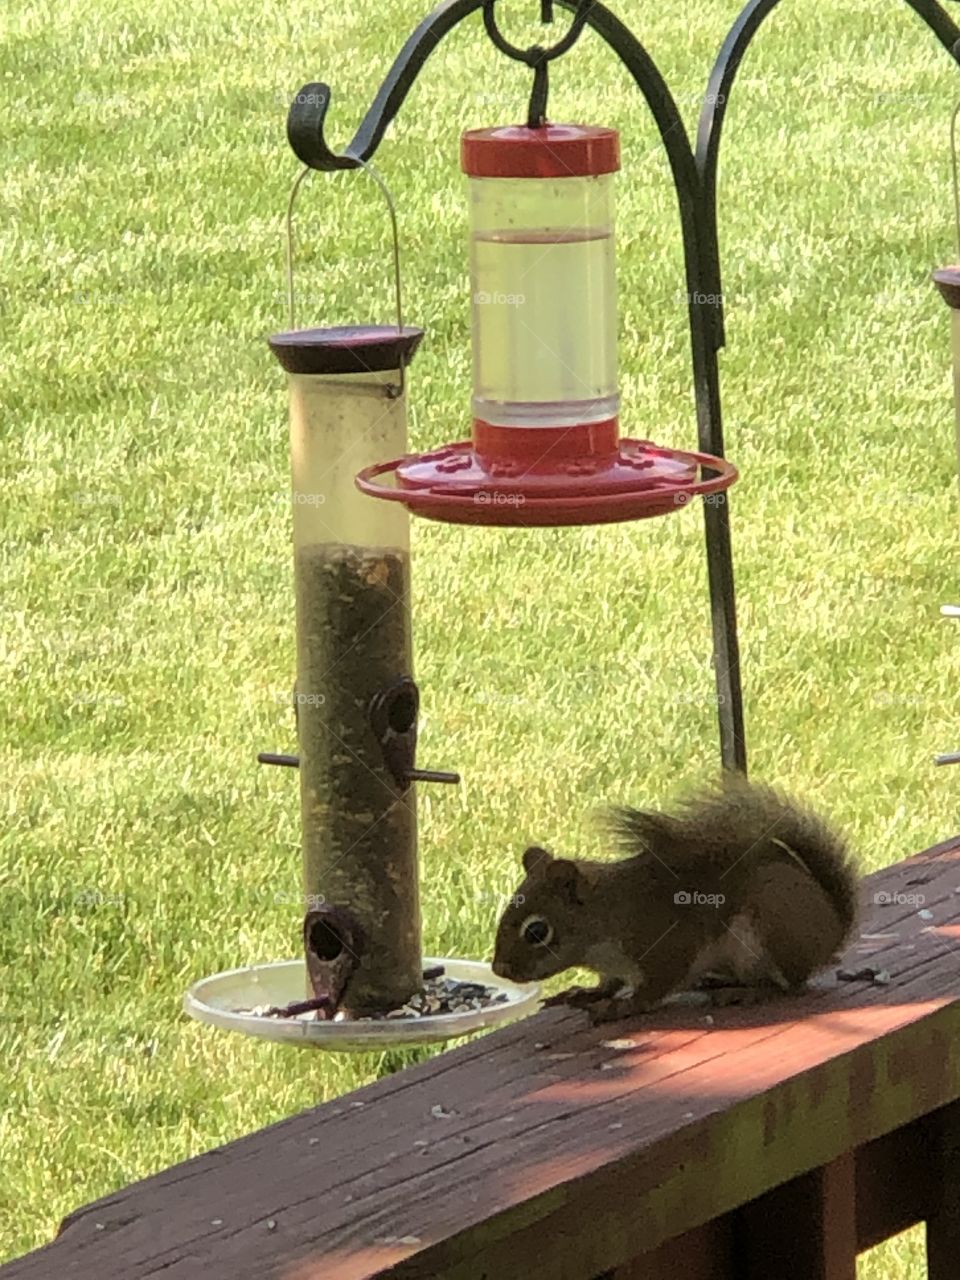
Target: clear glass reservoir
<point>543,275</point>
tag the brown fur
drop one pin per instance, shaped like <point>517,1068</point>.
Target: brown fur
<point>776,886</point>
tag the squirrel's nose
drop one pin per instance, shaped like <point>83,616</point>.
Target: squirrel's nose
<point>500,970</point>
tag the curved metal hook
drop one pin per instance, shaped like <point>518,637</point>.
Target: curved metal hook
<point>735,46</point>
<point>717,99</point>
<point>308,111</point>
<point>537,54</point>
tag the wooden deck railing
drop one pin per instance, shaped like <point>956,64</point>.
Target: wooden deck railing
<point>770,1143</point>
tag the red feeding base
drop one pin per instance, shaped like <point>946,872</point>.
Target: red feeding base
<point>541,476</point>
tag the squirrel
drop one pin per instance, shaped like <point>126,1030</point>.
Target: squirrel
<point>741,888</point>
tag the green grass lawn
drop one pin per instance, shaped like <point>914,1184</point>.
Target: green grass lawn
<point>145,562</point>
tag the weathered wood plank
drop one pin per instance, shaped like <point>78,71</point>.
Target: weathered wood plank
<point>805,1229</point>
<point>943,1224</point>
<point>896,1186</point>
<point>707,1253</point>
<point>896,1183</point>
<point>551,1150</point>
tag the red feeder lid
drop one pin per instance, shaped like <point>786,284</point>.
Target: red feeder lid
<point>552,151</point>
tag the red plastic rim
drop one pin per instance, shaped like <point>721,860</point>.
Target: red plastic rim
<point>666,483</point>
<point>553,151</point>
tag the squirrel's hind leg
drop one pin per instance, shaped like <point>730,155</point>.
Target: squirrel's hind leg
<point>736,959</point>
<point>738,968</point>
<point>796,923</point>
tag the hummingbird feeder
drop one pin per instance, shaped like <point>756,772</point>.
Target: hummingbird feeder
<point>546,446</point>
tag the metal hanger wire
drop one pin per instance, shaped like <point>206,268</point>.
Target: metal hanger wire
<point>395,233</point>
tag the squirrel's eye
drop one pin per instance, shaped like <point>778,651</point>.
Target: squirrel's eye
<point>536,931</point>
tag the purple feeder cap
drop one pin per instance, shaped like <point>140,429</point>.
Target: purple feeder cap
<point>354,349</point>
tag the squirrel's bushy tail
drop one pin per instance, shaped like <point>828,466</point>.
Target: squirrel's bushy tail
<point>736,820</point>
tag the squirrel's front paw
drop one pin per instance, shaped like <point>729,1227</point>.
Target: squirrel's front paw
<point>574,998</point>
<point>607,1011</point>
<point>615,1008</point>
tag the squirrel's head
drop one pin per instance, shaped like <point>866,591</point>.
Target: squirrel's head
<point>541,930</point>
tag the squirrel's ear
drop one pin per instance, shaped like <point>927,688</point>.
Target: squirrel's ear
<point>566,878</point>
<point>535,859</point>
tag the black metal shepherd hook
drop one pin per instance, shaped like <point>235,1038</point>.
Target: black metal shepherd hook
<point>694,171</point>
<point>537,57</point>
